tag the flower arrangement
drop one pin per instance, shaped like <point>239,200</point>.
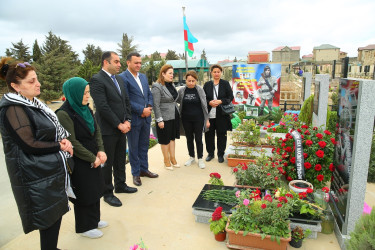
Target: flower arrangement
<point>153,141</point>
<point>298,234</point>
<point>141,246</point>
<point>218,221</point>
<point>318,149</point>
<point>266,216</point>
<point>216,179</point>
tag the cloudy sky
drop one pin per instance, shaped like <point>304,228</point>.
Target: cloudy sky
<point>225,29</point>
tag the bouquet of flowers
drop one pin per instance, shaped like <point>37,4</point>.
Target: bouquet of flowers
<point>218,221</point>
<point>216,179</point>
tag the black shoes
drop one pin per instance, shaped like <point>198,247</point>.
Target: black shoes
<point>112,200</point>
<point>137,181</point>
<point>125,189</point>
<point>220,159</point>
<point>149,174</point>
<point>209,157</point>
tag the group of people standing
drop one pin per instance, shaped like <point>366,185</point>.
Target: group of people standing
<point>74,152</point>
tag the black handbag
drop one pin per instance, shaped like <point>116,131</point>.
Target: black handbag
<point>226,109</point>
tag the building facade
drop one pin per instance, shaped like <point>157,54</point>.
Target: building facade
<point>286,54</point>
<point>325,53</point>
<point>258,57</point>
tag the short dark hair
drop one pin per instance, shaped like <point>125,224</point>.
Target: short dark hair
<point>216,66</point>
<point>107,56</point>
<point>129,57</point>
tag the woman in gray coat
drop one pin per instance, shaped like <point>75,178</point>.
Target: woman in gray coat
<point>194,116</point>
<point>166,115</point>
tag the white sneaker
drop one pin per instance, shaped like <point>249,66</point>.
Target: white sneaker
<point>102,224</point>
<point>201,163</point>
<point>190,161</point>
<point>93,233</point>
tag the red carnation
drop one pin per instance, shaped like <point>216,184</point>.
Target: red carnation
<point>309,190</point>
<point>309,143</point>
<point>283,144</point>
<point>331,167</point>
<point>289,195</point>
<point>304,126</point>
<point>327,132</point>
<point>315,128</point>
<point>272,124</point>
<point>268,174</point>
<point>263,206</point>
<point>289,178</point>
<point>307,165</point>
<point>320,153</point>
<point>325,189</point>
<point>320,177</point>
<point>299,130</point>
<point>333,141</point>
<point>319,135</point>
<point>318,167</point>
<point>305,155</point>
<point>276,178</point>
<point>293,160</point>
<point>302,137</point>
<point>264,128</point>
<point>302,195</point>
<point>235,170</point>
<point>288,149</point>
<point>274,129</point>
<point>285,164</point>
<point>287,135</point>
<point>322,144</point>
<point>307,132</point>
<point>244,167</point>
<point>279,205</point>
<point>217,214</point>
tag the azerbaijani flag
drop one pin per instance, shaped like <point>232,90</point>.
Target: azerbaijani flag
<point>189,39</point>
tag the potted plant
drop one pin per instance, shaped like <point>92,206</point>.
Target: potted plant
<point>218,222</point>
<point>241,155</point>
<point>298,235</point>
<point>260,222</point>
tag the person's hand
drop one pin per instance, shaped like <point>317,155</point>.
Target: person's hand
<point>127,126</point>
<point>66,145</point>
<point>208,124</point>
<point>161,125</point>
<point>147,112</point>
<point>102,156</point>
<point>122,128</point>
<point>96,163</point>
<point>213,103</point>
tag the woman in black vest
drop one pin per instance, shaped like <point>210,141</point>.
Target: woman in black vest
<point>76,116</point>
<point>218,91</point>
<point>35,148</point>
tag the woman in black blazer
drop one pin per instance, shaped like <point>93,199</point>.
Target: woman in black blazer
<point>218,92</point>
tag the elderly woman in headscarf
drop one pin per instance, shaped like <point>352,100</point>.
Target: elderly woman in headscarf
<point>77,118</point>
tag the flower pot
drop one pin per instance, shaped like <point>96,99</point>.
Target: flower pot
<point>296,244</point>
<point>300,186</point>
<point>254,240</point>
<point>233,162</point>
<point>221,236</point>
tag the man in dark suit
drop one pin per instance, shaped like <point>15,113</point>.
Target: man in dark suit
<point>141,101</point>
<point>113,113</point>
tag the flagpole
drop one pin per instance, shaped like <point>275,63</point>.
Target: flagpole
<point>186,56</point>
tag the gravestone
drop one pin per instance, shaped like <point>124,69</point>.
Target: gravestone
<point>352,154</point>
<point>306,85</point>
<point>320,100</point>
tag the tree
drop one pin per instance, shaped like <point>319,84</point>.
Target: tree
<point>20,51</point>
<point>156,56</point>
<point>126,47</point>
<point>93,54</point>
<point>61,47</point>
<point>54,69</point>
<point>203,55</point>
<point>88,69</point>
<point>171,55</point>
<point>235,59</point>
<point>182,56</point>
<point>151,69</point>
<point>227,74</point>
<point>37,53</point>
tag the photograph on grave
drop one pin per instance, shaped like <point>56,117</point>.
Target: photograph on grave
<point>257,85</point>
<point>316,97</point>
<point>347,107</point>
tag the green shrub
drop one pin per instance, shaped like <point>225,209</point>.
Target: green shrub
<point>331,120</point>
<point>363,236</point>
<point>305,114</point>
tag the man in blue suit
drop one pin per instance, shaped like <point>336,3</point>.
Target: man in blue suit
<point>141,102</point>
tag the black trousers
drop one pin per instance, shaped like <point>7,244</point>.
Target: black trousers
<point>115,148</point>
<point>210,139</point>
<point>50,236</point>
<point>194,129</point>
<point>87,217</point>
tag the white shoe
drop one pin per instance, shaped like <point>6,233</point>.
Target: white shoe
<point>201,163</point>
<point>168,168</point>
<point>190,161</point>
<point>176,166</point>
<point>93,233</point>
<point>102,224</point>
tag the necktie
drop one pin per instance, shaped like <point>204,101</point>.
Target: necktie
<point>116,83</point>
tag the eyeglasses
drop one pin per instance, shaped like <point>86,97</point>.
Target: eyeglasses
<point>86,92</point>
<point>23,65</point>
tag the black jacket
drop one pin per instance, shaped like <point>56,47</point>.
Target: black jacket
<point>38,179</point>
<point>225,94</point>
